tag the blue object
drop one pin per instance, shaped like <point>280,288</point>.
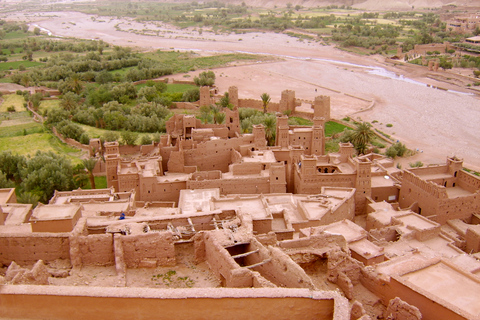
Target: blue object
<point>122,216</point>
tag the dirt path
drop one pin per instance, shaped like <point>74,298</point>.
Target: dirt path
<point>437,122</point>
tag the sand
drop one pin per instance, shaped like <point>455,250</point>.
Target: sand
<point>437,123</point>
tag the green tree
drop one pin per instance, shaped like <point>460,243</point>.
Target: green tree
<point>110,136</point>
<point>191,95</point>
<point>270,128</point>
<point>265,100</point>
<point>129,138</point>
<point>11,165</point>
<point>46,172</point>
<point>206,78</point>
<point>362,136</point>
<point>224,102</point>
<point>69,101</point>
<point>89,165</point>
<point>36,31</point>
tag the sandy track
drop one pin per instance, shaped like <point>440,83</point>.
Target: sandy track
<point>439,123</point>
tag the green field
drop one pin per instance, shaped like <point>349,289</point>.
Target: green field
<point>20,129</point>
<point>15,64</point>
<point>30,144</point>
<point>14,100</point>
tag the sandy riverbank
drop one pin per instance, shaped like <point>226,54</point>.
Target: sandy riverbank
<point>438,122</point>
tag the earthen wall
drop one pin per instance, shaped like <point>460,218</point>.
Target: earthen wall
<point>157,247</point>
<point>95,250</point>
<point>468,181</point>
<point>28,249</point>
<point>46,302</point>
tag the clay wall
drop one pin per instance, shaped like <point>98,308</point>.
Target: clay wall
<point>28,249</point>
<point>245,168</point>
<point>258,104</point>
<point>468,181</point>
<point>154,246</point>
<point>94,250</point>
<point>426,194</point>
<point>147,148</point>
<point>387,288</point>
<point>71,142</point>
<point>62,303</point>
<point>170,191</point>
<point>247,185</point>
<point>312,184</point>
<point>125,149</point>
<point>456,208</point>
<point>430,310</point>
<point>206,175</point>
<point>186,105</point>
<point>380,194</point>
<point>423,48</point>
<point>224,266</point>
<point>280,270</point>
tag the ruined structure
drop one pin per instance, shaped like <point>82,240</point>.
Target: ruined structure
<point>210,223</point>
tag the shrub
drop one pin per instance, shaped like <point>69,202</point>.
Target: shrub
<point>146,139</point>
<point>84,138</point>
<point>129,138</point>
<point>110,136</point>
<point>11,109</point>
<point>389,125</point>
<point>417,164</point>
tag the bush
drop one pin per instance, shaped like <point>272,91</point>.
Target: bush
<point>389,125</point>
<point>70,130</point>
<point>110,136</point>
<point>396,149</point>
<point>129,138</point>
<point>206,78</point>
<point>417,164</point>
<point>191,95</point>
<point>84,138</point>
<point>11,109</point>
<point>146,139</point>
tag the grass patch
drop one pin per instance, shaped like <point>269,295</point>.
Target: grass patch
<point>28,145</point>
<point>301,121</point>
<point>179,87</point>
<point>332,127</point>
<point>20,129</point>
<point>47,105</point>
<point>12,100</point>
<point>98,133</point>
<point>188,61</point>
<point>100,183</point>
<point>14,64</point>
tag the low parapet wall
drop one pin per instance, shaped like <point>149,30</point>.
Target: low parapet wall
<point>57,302</point>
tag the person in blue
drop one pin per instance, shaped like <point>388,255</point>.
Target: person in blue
<point>122,216</point>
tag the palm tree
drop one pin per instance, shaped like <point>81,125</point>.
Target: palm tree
<point>270,125</point>
<point>89,165</point>
<point>362,136</point>
<point>265,100</point>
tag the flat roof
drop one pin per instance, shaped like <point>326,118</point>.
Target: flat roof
<point>449,284</point>
<point>197,200</point>
<point>366,248</point>
<point>17,213</point>
<point>254,206</point>
<point>382,181</point>
<point>54,212</point>
<point>349,230</point>
<point>455,192</point>
<point>5,194</point>
<point>414,220</point>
